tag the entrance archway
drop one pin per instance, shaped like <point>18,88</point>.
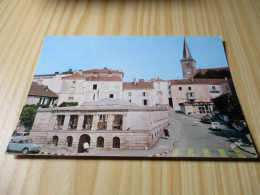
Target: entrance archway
<point>83,138</point>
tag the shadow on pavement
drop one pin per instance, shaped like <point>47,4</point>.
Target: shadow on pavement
<point>234,135</point>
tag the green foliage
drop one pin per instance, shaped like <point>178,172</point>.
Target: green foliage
<point>199,76</point>
<point>229,105</point>
<point>67,104</point>
<point>213,74</point>
<point>28,115</point>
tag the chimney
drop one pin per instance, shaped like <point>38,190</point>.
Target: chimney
<point>191,78</point>
<point>39,82</point>
<point>80,72</point>
<point>141,80</point>
<point>74,71</point>
<point>134,81</point>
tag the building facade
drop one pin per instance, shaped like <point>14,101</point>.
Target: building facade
<point>106,124</point>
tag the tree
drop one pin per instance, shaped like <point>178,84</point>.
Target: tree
<point>224,74</point>
<point>28,115</point>
<point>229,105</point>
<point>199,76</point>
<point>212,74</point>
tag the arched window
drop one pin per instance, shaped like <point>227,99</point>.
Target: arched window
<point>100,142</point>
<point>69,141</point>
<point>116,142</point>
<point>55,140</point>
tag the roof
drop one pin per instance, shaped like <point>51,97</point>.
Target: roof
<point>203,71</point>
<point>186,52</point>
<point>76,75</point>
<point>105,70</point>
<point>198,81</point>
<point>104,78</point>
<point>41,90</point>
<point>139,85</point>
<point>110,102</point>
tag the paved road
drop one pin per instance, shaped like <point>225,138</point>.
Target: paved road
<point>200,141</point>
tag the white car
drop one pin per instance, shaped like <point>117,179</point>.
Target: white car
<point>215,126</point>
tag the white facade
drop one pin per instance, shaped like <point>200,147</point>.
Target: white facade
<point>96,90</point>
<point>161,92</point>
<point>142,97</point>
<point>53,82</point>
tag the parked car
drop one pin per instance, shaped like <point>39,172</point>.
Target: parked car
<point>18,134</point>
<point>215,126</point>
<point>207,119</point>
<point>24,145</point>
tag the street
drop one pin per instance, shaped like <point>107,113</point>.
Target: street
<point>200,141</point>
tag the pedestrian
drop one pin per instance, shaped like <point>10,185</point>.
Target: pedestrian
<point>166,132</point>
<point>86,147</point>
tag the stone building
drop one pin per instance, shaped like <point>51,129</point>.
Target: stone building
<point>106,124</point>
<point>141,93</point>
<point>41,94</point>
<point>197,90</point>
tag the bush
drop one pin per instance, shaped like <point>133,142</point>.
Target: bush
<point>67,104</point>
<point>28,115</point>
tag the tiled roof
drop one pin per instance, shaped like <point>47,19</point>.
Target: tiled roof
<point>41,90</point>
<point>76,75</point>
<point>105,70</point>
<point>139,85</point>
<point>203,71</point>
<point>198,81</point>
<point>104,78</point>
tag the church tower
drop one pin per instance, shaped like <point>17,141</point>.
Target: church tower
<point>187,62</point>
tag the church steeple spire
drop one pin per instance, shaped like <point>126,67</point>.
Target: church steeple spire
<point>186,51</point>
<point>187,62</point>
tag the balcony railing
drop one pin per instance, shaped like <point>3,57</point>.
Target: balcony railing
<point>191,98</point>
<point>58,127</point>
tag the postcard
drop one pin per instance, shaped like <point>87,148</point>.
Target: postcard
<point>133,96</point>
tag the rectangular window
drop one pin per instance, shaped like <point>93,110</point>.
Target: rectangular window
<point>111,95</point>
<point>145,102</point>
<point>95,87</point>
<point>130,101</point>
<point>59,122</point>
<point>87,124</point>
<point>145,94</point>
<point>93,96</point>
<point>189,88</point>
<point>102,122</point>
<point>129,94</point>
<point>213,87</point>
<point>73,122</point>
<point>180,88</point>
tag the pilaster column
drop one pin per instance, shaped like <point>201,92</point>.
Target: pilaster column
<point>125,124</point>
<point>52,122</point>
<point>94,122</point>
<point>66,122</point>
<point>110,122</point>
<point>80,122</point>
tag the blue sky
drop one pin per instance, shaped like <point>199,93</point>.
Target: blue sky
<point>141,57</point>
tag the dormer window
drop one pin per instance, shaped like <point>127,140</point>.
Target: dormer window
<point>46,89</point>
